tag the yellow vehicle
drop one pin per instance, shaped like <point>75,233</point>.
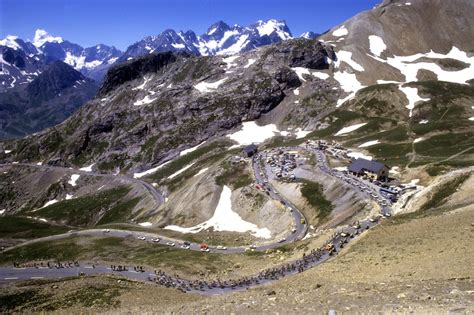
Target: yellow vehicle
<point>329,247</point>
<point>303,221</point>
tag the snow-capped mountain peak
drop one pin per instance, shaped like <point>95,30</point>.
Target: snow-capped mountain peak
<point>23,60</point>
<point>309,35</point>
<point>10,41</point>
<point>218,28</point>
<point>273,26</point>
<point>219,39</point>
<point>41,37</point>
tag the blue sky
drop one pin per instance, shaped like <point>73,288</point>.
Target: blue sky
<point>121,23</point>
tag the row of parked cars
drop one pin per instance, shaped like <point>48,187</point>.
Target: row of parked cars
<point>362,187</point>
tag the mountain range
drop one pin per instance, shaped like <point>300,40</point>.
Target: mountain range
<point>23,62</point>
<point>93,62</point>
<point>220,39</point>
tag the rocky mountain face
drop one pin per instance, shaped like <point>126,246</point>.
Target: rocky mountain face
<point>220,39</point>
<point>17,67</point>
<point>51,97</point>
<point>150,108</point>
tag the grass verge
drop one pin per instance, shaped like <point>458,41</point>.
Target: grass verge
<point>313,193</point>
<point>19,227</point>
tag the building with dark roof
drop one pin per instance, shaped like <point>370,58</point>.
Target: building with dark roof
<point>362,166</point>
<point>250,150</point>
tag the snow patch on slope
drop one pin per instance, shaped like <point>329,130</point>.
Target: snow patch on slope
<point>201,171</point>
<point>341,31</point>
<point>237,47</point>
<point>184,152</point>
<point>144,101</point>
<point>180,171</point>
<point>377,45</point>
<point>74,177</point>
<point>230,61</point>
<point>250,62</point>
<point>205,87</point>
<point>349,129</point>
<point>369,143</point>
<point>346,56</point>
<point>253,133</point>
<point>359,155</point>
<point>412,96</point>
<point>408,67</point>
<point>224,219</point>
<point>151,170</point>
<point>348,81</point>
<point>87,168</point>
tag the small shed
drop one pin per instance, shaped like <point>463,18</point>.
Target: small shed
<point>250,150</point>
<point>362,166</point>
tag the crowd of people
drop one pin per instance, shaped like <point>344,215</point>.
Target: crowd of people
<point>267,275</point>
<point>47,264</point>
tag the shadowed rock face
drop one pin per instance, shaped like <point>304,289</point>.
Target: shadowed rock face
<point>46,101</point>
<point>176,114</point>
<point>136,69</point>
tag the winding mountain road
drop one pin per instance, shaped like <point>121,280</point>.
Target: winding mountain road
<point>314,258</point>
<point>301,229</point>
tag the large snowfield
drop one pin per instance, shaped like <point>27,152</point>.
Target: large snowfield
<point>73,180</point>
<point>253,133</point>
<point>225,219</point>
